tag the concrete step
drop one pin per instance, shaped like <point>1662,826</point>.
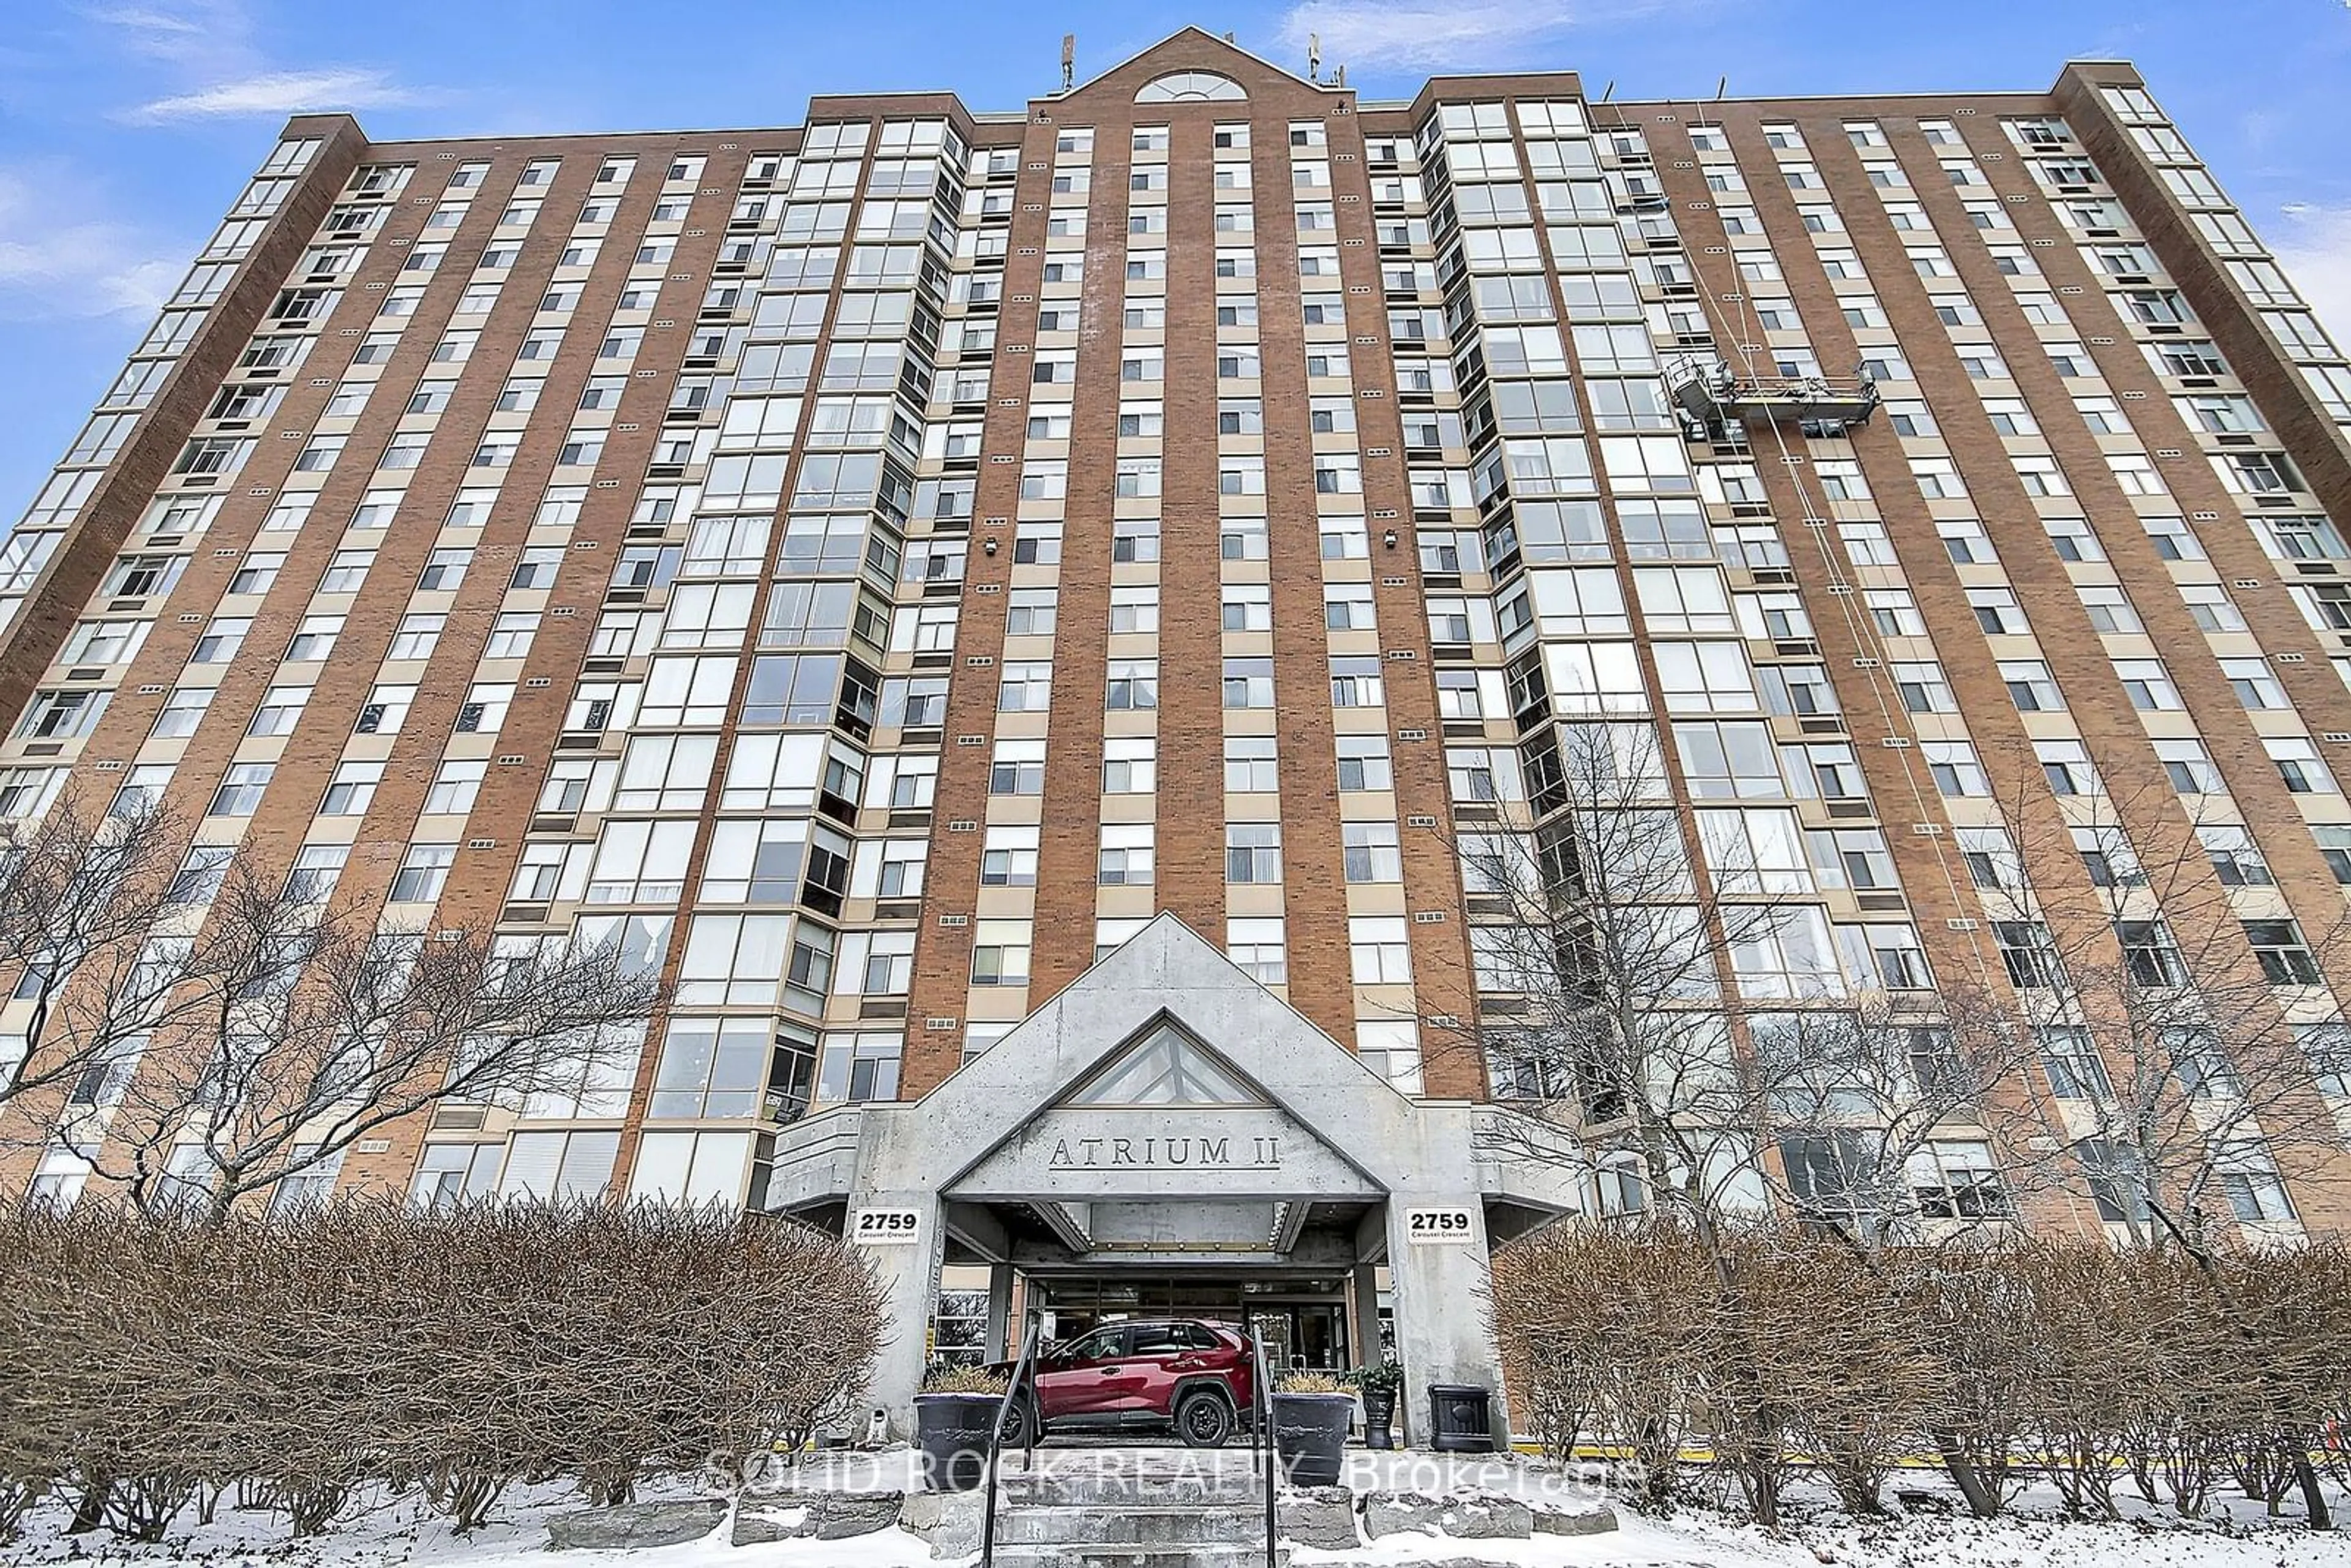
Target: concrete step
<point>1077,1487</point>
<point>1102,1556</point>
<point>1219,1524</point>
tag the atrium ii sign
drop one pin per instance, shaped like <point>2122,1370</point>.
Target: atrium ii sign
<point>1228,1153</point>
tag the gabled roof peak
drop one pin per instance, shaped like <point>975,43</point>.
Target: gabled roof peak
<point>1193,48</point>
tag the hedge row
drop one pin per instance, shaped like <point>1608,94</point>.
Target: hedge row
<point>2011,1361</point>
<point>149,1366</point>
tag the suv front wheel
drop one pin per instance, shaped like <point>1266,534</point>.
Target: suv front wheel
<point>1203,1419</point>
<point>1020,1428</point>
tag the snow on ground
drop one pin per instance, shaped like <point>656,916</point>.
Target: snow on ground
<point>399,1533</point>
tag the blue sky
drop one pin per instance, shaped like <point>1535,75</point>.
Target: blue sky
<point>127,126</point>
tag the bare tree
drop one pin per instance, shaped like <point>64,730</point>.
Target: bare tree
<point>1712,1048</point>
<point>1628,923</point>
<point>1616,951</point>
<point>2166,995</point>
<point>2178,1010</point>
<point>1625,1030</point>
<point>321,1031</point>
<point>81,894</point>
<point>204,1028</point>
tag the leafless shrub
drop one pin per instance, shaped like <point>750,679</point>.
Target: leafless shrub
<point>1789,1347</point>
<point>309,1356</point>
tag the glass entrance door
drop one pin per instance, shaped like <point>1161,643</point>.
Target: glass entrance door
<point>1301,1337</point>
<point>1270,1326</point>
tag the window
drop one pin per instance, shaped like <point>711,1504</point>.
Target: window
<point>2065,764</point>
<point>1018,768</point>
<point>1379,950</point>
<point>2335,848</point>
<point>1125,857</point>
<point>2149,956</point>
<point>423,873</point>
<point>1130,765</point>
<point>1372,853</point>
<point>1895,614</point>
<point>1923,688</point>
<point>1249,683</point>
<point>1356,683</point>
<point>2308,537</point>
<point>2027,953</point>
<point>1722,760</point>
<point>201,875</point>
<point>1008,857</point>
<point>1253,852</point>
<point>1990,858</point>
<point>1257,947</point>
<point>1957,1179</point>
<point>2071,538</point>
<point>1000,952</point>
<point>454,786</point>
<point>2071,1059</point>
<point>2189,767</point>
<point>2285,957</point>
<point>351,790</point>
<point>1133,685</point>
<point>2030,685</point>
<point>2146,684</point>
<point>445,569</point>
<point>221,639</point>
<point>1364,762</point>
<point>2109,609</point>
<point>484,711</point>
<point>1025,687</point>
<point>640,862</point>
<point>2255,685</point>
<point>416,636</point>
<point>2236,858</point>
<point>2244,1171</point>
<point>315,870</point>
<point>240,790</point>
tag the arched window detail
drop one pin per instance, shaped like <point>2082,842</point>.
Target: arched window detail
<point>1190,87</point>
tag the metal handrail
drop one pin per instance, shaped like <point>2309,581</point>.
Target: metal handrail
<point>1263,1399</point>
<point>1022,1370</point>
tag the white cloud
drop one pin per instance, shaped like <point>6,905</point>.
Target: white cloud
<point>2314,248</point>
<point>1430,35</point>
<point>61,255</point>
<point>278,93</point>
<point>202,40</point>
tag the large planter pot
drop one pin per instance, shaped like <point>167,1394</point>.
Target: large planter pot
<point>1309,1436</point>
<point>951,1430</point>
<point>1379,1417</point>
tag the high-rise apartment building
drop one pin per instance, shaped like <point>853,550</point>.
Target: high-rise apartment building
<point>870,570</point>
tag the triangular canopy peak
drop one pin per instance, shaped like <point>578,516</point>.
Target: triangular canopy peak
<point>1164,1065</point>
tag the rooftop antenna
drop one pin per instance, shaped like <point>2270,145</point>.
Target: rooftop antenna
<point>1313,56</point>
<point>1231,39</point>
<point>1341,79</point>
<point>1068,61</point>
<point>1609,91</point>
<point>1721,87</point>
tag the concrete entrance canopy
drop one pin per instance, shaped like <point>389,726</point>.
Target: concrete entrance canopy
<point>1166,1109</point>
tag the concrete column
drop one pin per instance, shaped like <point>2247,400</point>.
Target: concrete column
<point>1442,1288</point>
<point>1000,1337</point>
<point>908,1272</point>
<point>1363,1302</point>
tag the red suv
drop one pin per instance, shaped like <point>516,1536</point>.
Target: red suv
<point>1194,1375</point>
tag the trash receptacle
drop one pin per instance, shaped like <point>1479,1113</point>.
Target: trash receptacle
<point>1463,1418</point>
